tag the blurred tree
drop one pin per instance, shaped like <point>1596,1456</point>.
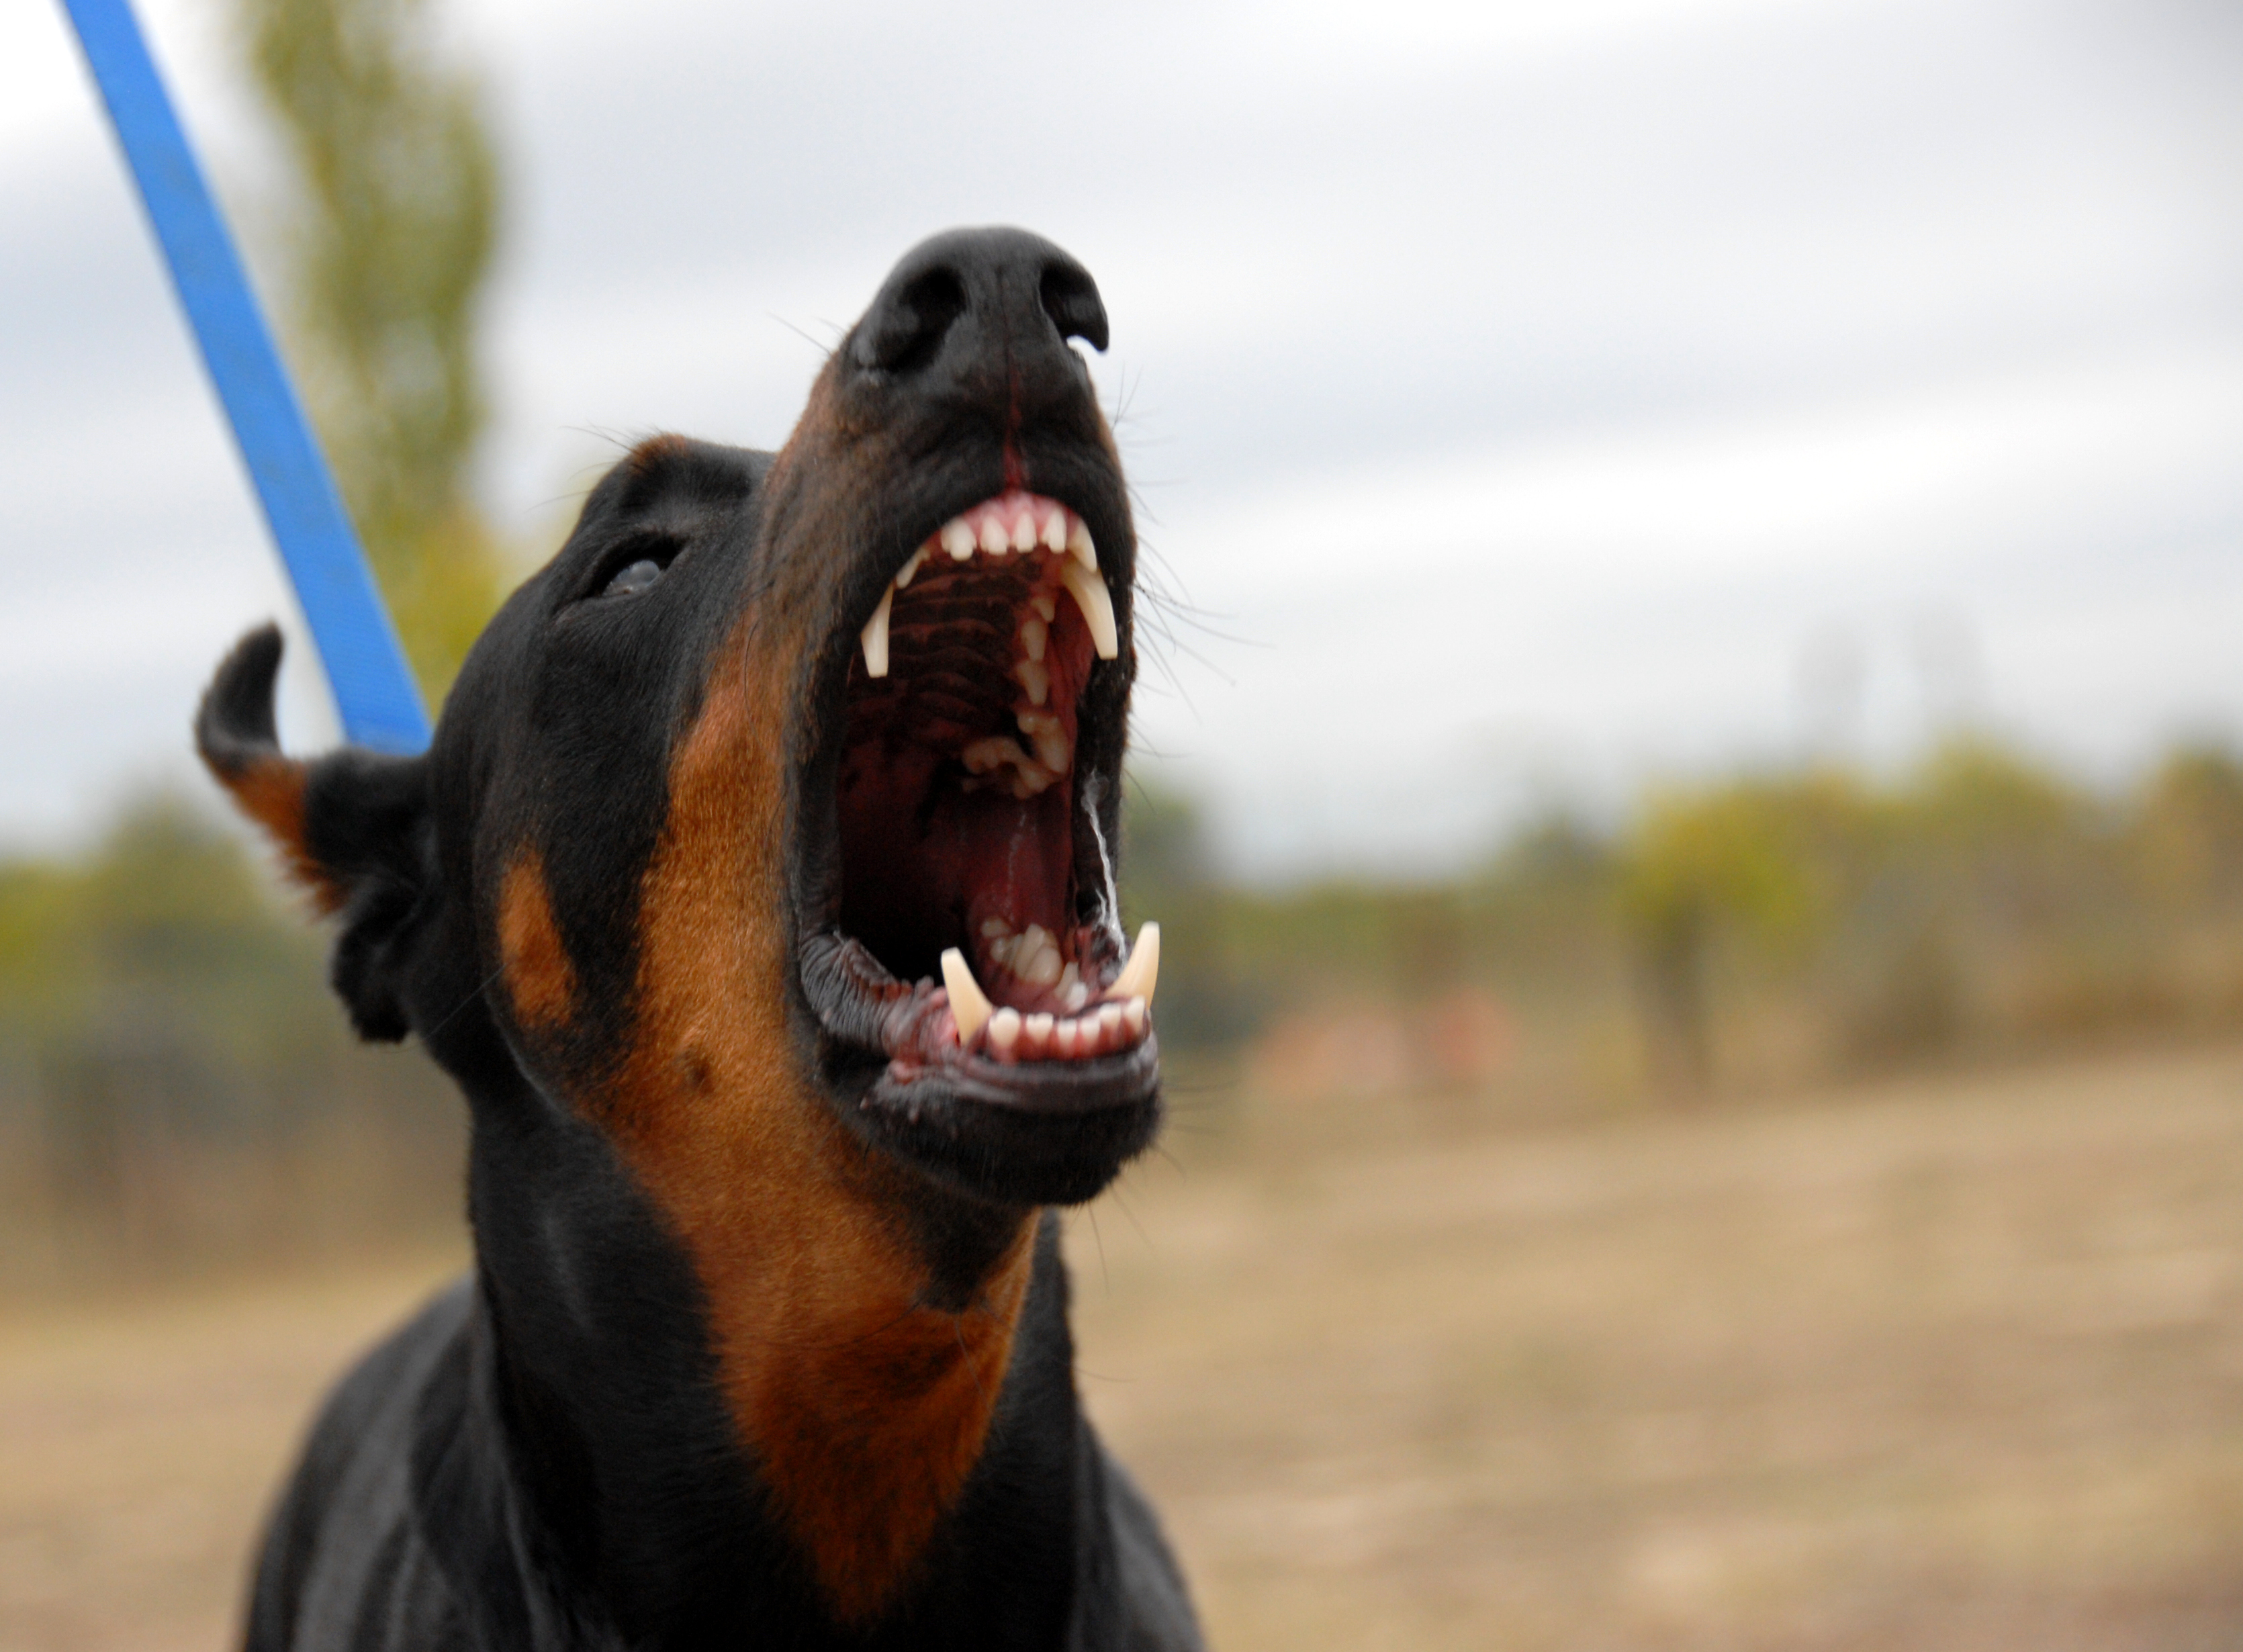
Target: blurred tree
<point>2189,831</point>
<point>1168,875</point>
<point>389,240</point>
<point>1695,862</point>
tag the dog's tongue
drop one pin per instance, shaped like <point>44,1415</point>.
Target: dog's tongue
<point>928,867</point>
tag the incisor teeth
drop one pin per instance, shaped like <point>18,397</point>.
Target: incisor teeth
<point>1133,1017</point>
<point>1005,1030</point>
<point>1143,969</point>
<point>1055,531</point>
<point>1089,593</point>
<point>969,1005</point>
<point>1079,545</point>
<point>1024,532</point>
<point>994,539</point>
<point>875,635</point>
<point>958,538</point>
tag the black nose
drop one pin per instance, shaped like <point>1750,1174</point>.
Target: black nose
<point>971,306</point>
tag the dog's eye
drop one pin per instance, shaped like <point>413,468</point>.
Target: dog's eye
<point>633,566</point>
<point>634,579</point>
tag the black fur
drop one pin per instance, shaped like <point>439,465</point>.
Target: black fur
<point>543,1458</point>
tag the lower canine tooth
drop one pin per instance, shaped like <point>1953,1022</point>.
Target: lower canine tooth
<point>969,1005</point>
<point>1090,596</point>
<point>875,635</point>
<point>1143,969</point>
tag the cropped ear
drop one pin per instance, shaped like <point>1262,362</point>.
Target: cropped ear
<point>353,828</point>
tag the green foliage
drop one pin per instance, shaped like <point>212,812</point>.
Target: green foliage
<point>389,241</point>
<point>175,1083</point>
<point>162,939</point>
<point>2188,840</point>
<point>1793,923</point>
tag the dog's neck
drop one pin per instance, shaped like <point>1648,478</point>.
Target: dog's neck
<point>841,1425</point>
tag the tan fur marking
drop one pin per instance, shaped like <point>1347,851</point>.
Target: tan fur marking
<point>270,791</point>
<point>539,977</point>
<point>865,1410</point>
<point>650,454</point>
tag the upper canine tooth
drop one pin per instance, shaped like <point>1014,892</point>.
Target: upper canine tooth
<point>969,1005</point>
<point>958,538</point>
<point>1055,531</point>
<point>994,539</point>
<point>875,635</point>
<point>1077,542</point>
<point>1143,969</point>
<point>1090,596</point>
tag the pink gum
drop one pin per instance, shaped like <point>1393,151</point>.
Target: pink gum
<point>1006,509</point>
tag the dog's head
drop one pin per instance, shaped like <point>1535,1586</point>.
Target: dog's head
<point>758,888</point>
<point>793,780</point>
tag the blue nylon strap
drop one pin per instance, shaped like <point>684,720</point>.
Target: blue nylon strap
<point>380,707</point>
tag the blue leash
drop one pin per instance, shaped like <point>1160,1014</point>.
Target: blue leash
<point>380,707</point>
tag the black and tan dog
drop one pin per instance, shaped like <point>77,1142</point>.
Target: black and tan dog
<point>758,892</point>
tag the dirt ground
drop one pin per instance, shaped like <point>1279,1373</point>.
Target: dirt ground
<point>1947,1363</point>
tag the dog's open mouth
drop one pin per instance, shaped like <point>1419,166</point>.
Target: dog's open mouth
<point>972,937</point>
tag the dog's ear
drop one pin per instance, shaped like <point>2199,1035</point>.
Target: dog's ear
<point>353,828</point>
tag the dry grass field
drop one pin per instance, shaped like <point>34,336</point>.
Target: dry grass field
<point>1949,1362</point>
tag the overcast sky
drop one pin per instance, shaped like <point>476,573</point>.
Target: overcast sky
<point>1526,399</point>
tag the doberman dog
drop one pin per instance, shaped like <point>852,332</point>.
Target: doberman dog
<point>758,890</point>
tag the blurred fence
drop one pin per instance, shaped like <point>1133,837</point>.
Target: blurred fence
<point>177,1088</point>
<point>178,1091</point>
<point>1779,928</point>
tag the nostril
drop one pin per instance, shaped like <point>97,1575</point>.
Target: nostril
<point>905,335</point>
<point>1070,298</point>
